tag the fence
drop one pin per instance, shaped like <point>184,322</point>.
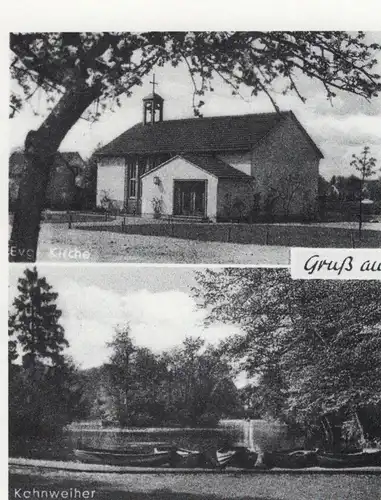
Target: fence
<point>336,210</point>
<point>257,234</point>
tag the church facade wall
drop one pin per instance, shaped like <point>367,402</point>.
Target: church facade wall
<point>283,166</point>
<point>286,170</point>
<point>235,198</point>
<point>176,169</point>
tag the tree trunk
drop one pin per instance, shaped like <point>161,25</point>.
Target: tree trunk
<point>40,149</point>
<point>326,431</point>
<point>332,432</point>
<point>360,428</point>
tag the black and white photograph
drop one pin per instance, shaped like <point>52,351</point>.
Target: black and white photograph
<point>194,235</point>
<point>189,147</point>
<point>182,383</point>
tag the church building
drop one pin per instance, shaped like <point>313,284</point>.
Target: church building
<point>210,168</point>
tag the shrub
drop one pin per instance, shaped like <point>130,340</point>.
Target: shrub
<point>269,207</point>
<point>238,210</point>
<point>208,419</point>
<point>255,211</point>
<point>157,206</point>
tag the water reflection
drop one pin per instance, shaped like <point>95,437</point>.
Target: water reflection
<point>257,435</point>
<point>260,435</point>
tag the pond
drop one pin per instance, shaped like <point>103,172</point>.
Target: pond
<point>256,434</point>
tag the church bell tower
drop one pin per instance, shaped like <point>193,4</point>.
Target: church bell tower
<point>153,107</point>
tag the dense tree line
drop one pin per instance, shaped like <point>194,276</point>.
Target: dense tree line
<point>355,187</point>
<point>187,386</point>
<point>355,197</point>
<point>341,188</point>
<point>313,346</point>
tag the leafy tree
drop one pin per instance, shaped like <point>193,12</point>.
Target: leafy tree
<point>324,186</point>
<point>374,189</point>
<point>319,340</point>
<point>285,192</point>
<point>80,70</point>
<point>325,193</point>
<point>120,370</point>
<point>43,402</point>
<point>365,164</point>
<point>90,180</point>
<point>135,376</point>
<point>202,390</point>
<point>189,385</point>
<point>347,187</point>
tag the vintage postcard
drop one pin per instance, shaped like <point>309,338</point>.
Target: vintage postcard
<point>237,354</point>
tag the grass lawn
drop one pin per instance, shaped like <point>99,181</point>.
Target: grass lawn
<point>228,485</point>
<point>105,246</point>
<point>205,243</point>
<point>286,235</point>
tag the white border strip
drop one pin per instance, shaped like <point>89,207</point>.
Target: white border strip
<point>336,263</point>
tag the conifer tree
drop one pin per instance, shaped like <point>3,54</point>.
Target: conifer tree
<point>35,323</point>
<point>44,389</point>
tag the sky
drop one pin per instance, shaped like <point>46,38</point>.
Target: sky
<point>339,130</point>
<point>156,302</point>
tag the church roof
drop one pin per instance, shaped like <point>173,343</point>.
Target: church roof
<point>215,166</point>
<point>198,135</point>
<point>153,95</point>
<point>209,164</point>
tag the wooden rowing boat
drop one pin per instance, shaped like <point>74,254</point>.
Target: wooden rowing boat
<point>297,459</point>
<point>154,459</point>
<point>136,455</point>
<point>237,456</point>
<point>343,460</point>
<point>182,458</point>
<point>159,454</point>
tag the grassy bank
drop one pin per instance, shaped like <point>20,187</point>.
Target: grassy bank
<point>195,487</point>
<point>288,235</point>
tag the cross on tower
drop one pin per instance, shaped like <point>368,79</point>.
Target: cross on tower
<point>153,105</point>
<point>153,84</point>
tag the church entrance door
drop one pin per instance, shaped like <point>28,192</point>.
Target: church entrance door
<point>190,198</point>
